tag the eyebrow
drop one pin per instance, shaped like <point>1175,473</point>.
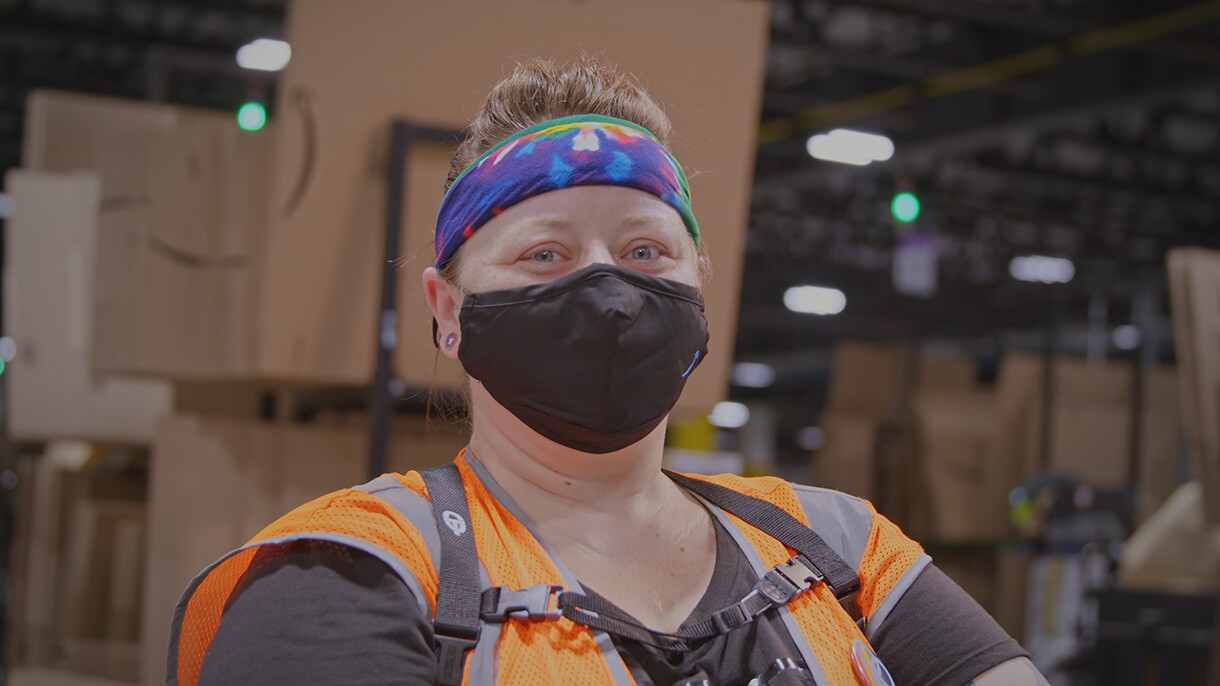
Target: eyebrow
<point>644,219</point>
<point>549,222</point>
<point>561,223</point>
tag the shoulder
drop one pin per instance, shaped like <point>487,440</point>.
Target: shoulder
<point>844,521</point>
<point>396,501</point>
<point>389,518</point>
<point>300,611</point>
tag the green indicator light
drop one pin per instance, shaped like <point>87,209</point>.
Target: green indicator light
<point>252,116</point>
<point>905,207</point>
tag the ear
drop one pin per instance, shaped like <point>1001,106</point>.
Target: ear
<point>445,301</point>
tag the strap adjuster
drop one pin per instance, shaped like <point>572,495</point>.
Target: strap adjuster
<point>537,603</point>
<point>730,618</point>
<point>451,656</point>
<point>783,582</point>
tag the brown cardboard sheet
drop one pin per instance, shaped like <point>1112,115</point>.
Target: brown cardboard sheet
<point>328,194</point>
<point>53,391</point>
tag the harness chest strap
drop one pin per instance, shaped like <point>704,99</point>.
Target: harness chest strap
<point>544,602</point>
<point>456,623</point>
<point>461,606</point>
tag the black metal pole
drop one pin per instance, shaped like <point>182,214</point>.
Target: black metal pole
<point>386,387</point>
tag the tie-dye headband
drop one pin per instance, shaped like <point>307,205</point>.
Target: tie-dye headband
<point>581,150</point>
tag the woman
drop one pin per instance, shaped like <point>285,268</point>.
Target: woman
<point>555,549</point>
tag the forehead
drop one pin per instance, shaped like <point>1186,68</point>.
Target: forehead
<point>583,209</point>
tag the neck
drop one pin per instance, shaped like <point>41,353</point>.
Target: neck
<point>565,489</point>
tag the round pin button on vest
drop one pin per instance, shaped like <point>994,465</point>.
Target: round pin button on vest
<point>867,666</point>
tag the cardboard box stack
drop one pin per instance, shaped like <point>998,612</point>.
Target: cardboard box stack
<point>867,448</point>
<point>78,560</point>
<point>1194,280</point>
<point>54,391</point>
<point>941,454</point>
<point>1090,433</point>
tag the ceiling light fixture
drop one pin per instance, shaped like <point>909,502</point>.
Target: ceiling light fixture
<point>850,147</point>
<point>264,54</point>
<point>1042,269</point>
<point>815,300</point>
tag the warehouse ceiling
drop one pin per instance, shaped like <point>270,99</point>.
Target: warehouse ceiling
<point>1081,129</point>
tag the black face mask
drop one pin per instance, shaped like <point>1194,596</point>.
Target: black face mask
<point>593,360</point>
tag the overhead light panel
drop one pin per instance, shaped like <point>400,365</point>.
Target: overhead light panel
<point>1042,269</point>
<point>810,437</point>
<point>264,54</point>
<point>1126,337</point>
<point>815,300</point>
<point>753,374</point>
<point>850,147</point>
<point>729,415</point>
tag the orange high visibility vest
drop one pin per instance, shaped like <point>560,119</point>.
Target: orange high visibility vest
<point>391,519</point>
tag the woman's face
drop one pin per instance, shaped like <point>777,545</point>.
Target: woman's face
<point>549,235</point>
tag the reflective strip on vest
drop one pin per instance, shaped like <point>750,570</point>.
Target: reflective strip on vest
<point>172,675</point>
<point>481,663</point>
<point>794,632</point>
<point>846,523</point>
<point>618,670</point>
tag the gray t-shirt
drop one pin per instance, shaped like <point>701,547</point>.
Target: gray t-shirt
<point>321,613</point>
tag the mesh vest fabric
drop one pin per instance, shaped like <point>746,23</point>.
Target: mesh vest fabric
<point>824,625</point>
<point>535,652</point>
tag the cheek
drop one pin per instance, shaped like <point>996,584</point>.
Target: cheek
<point>687,271</point>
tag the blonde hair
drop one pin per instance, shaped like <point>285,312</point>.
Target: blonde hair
<point>542,89</point>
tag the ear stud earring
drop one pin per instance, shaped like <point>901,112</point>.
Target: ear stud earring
<point>450,340</point>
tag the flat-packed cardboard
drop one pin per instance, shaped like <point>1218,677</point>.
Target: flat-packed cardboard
<point>944,371</point>
<point>217,481</point>
<point>847,459</point>
<point>1090,435</point>
<point>1175,550</point>
<point>182,211</point>
<point>874,380</point>
<point>1194,281</point>
<point>66,132</point>
<point>961,494</point>
<point>177,275</point>
<point>77,566</point>
<point>1011,575</point>
<point>30,628</point>
<point>52,390</point>
<point>334,114</point>
<point>37,676</point>
<point>1162,458</point>
<point>865,379</point>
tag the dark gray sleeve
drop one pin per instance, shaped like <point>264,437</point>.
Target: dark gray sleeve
<point>937,634</point>
<point>320,613</point>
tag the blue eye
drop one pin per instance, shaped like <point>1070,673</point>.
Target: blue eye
<point>543,256</point>
<point>643,252</point>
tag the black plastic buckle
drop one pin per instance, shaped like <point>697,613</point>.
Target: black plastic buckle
<point>451,657</point>
<point>537,603</point>
<point>730,618</point>
<point>783,582</point>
